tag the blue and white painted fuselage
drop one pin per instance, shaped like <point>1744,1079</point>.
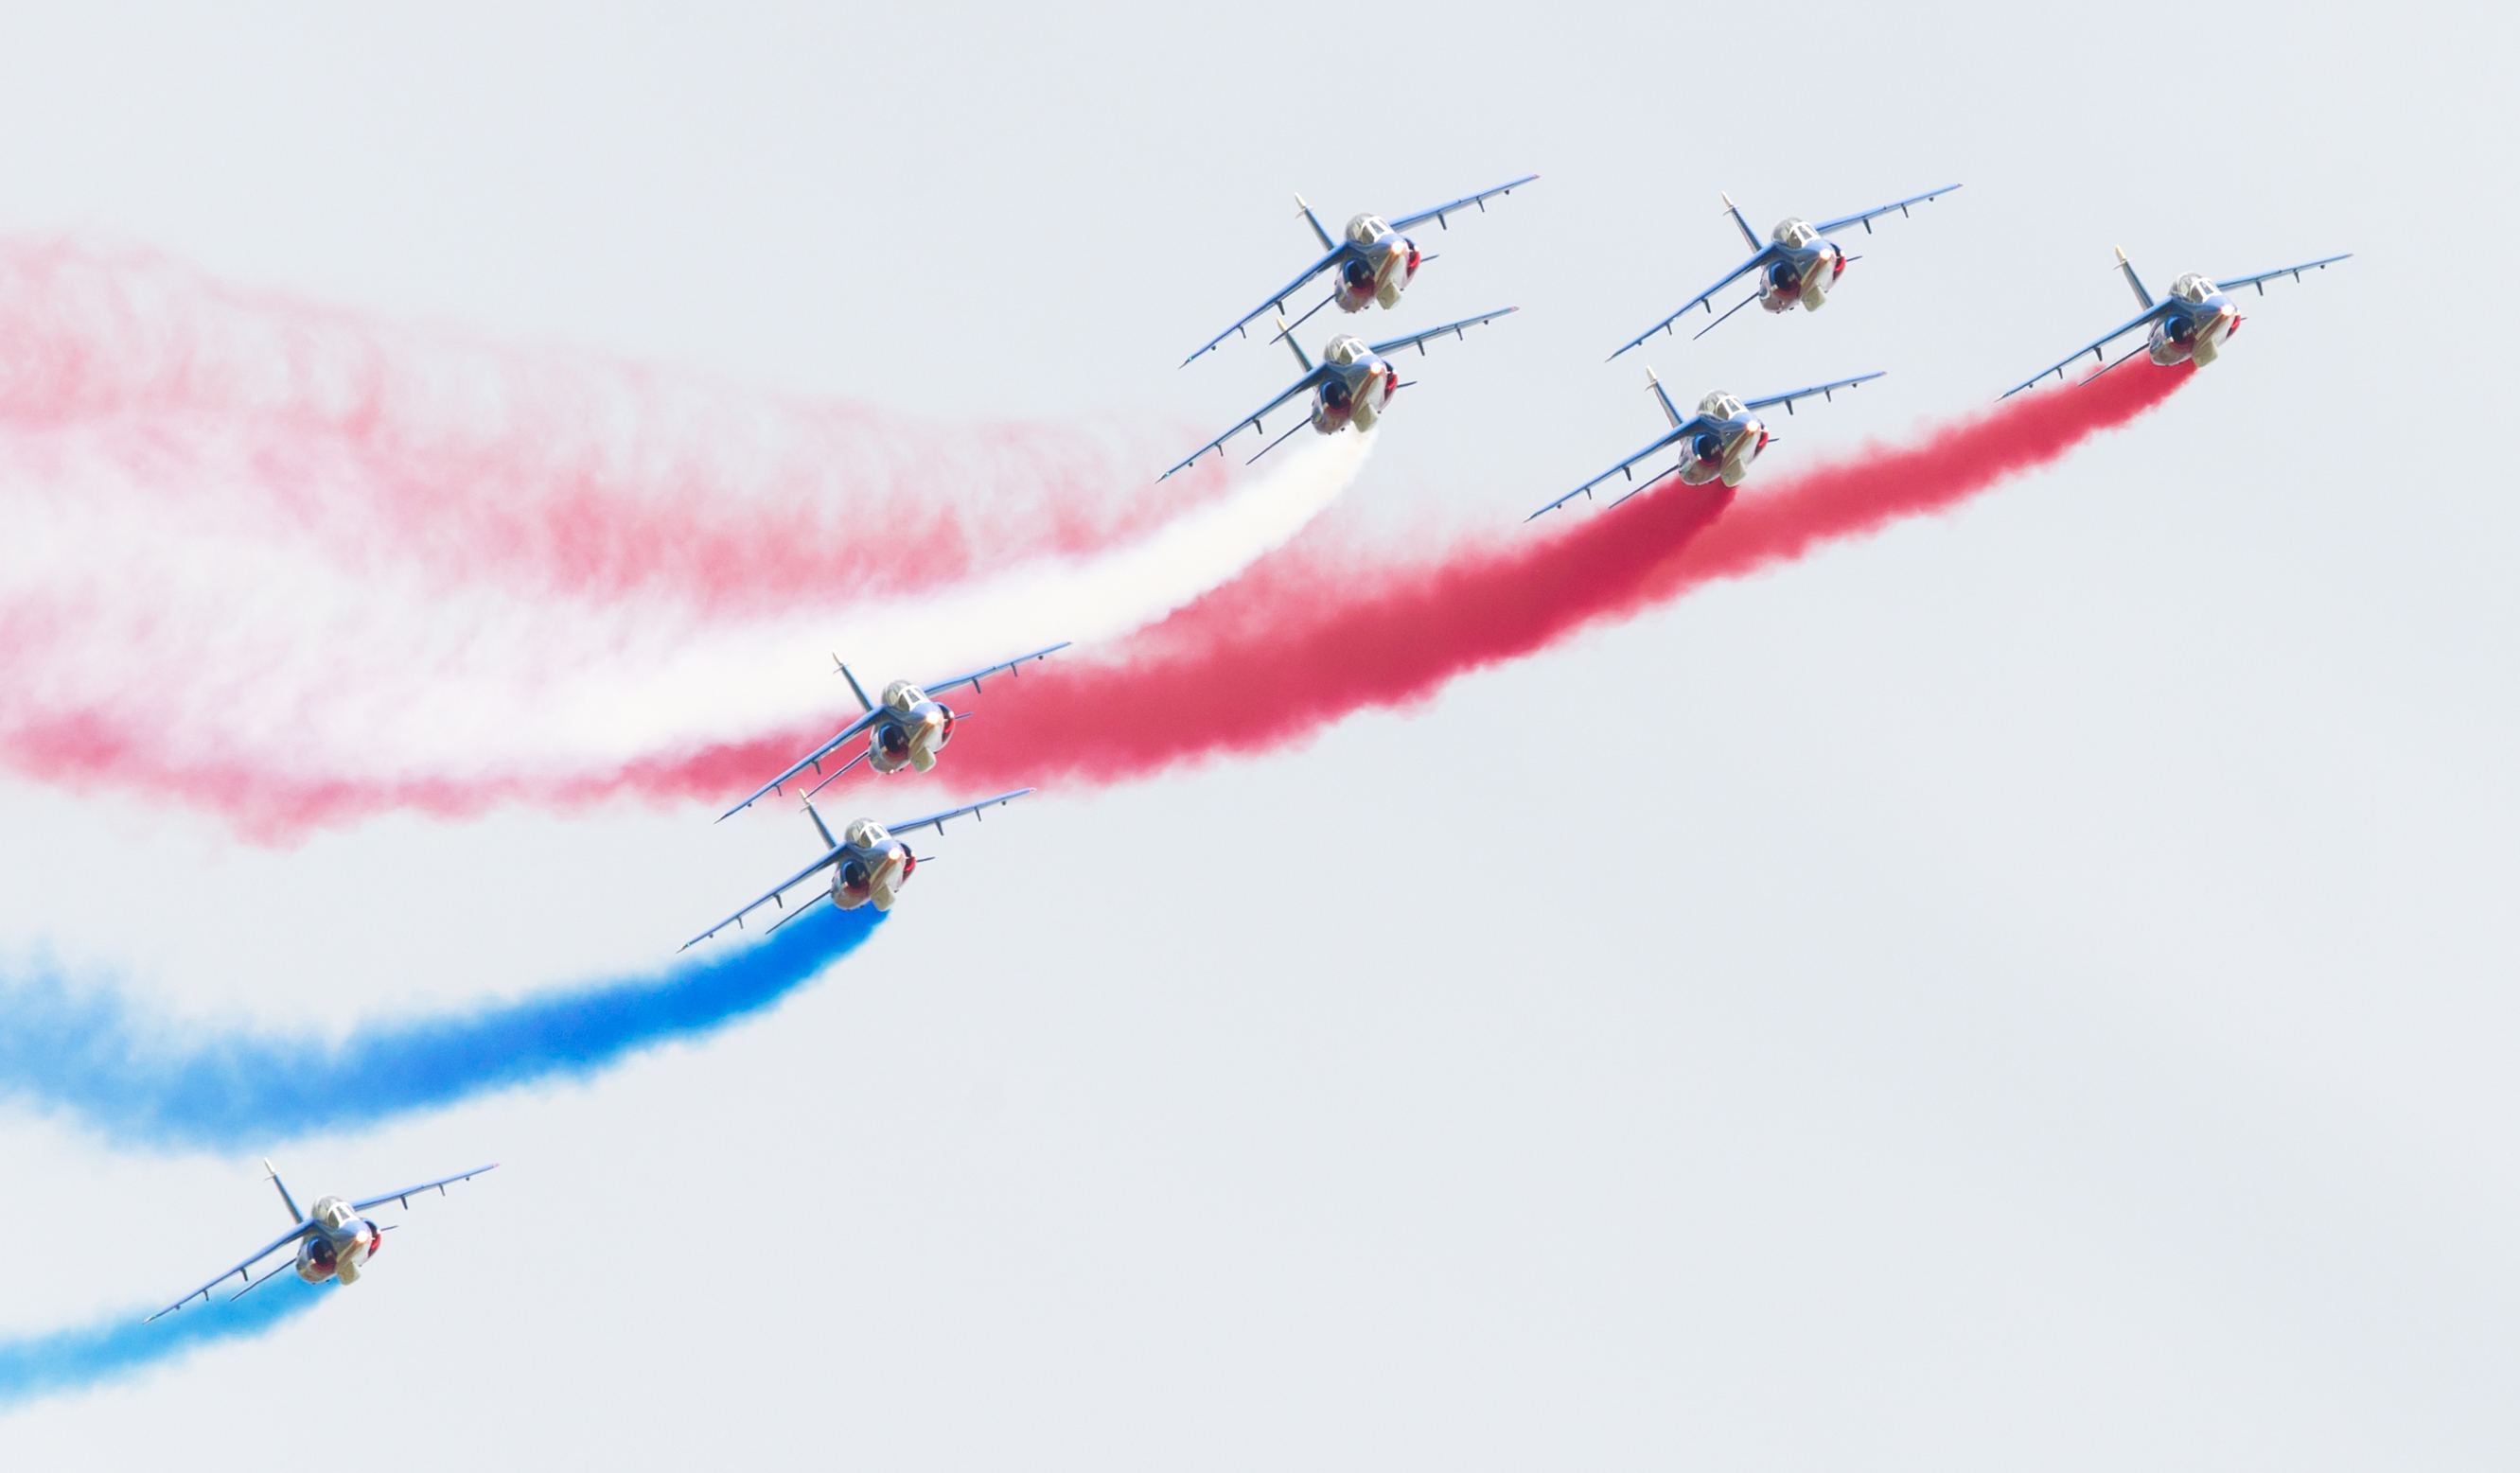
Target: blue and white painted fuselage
<point>1718,442</point>
<point>1352,385</point>
<point>1797,265</point>
<point>334,1241</point>
<point>1371,262</point>
<point>2189,325</point>
<point>869,863</point>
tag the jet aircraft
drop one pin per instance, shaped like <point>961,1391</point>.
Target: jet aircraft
<point>1797,263</point>
<point>909,727</point>
<point>2190,324</point>
<point>1352,385</point>
<point>870,863</point>
<point>334,1241</point>
<point>1373,260</point>
<point>1721,439</point>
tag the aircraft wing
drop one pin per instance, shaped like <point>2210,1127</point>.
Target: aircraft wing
<point>810,759</point>
<point>1248,422</point>
<point>1418,341</point>
<point>1438,213</point>
<point>1276,300</point>
<point>1826,390</point>
<point>2260,280</point>
<point>1865,219</point>
<point>2092,347</point>
<point>257,1256</point>
<point>1682,431</point>
<point>937,819</point>
<point>772,893</point>
<point>439,1185</point>
<point>973,679</point>
<point>1700,300</point>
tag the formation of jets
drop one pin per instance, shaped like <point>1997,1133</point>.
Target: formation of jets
<point>1352,385</point>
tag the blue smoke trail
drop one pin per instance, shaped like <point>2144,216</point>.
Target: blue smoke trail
<point>35,1365</point>
<point>81,1050</point>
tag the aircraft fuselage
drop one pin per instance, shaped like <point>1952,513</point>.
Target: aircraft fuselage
<point>1377,263</point>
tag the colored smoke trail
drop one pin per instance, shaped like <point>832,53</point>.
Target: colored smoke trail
<point>1312,635</point>
<point>293,695</point>
<point>143,392</point>
<point>295,567</point>
<point>84,1052</point>
<point>73,1360</point>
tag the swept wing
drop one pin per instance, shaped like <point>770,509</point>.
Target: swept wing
<point>936,820</point>
<point>1865,219</point>
<point>2141,319</point>
<point>238,1270</point>
<point>2260,280</point>
<point>405,1195</point>
<point>973,679</point>
<point>1480,200</point>
<point>1825,391</point>
<point>1680,432</point>
<point>1276,300</point>
<point>1248,422</point>
<point>1766,254</point>
<point>1418,341</point>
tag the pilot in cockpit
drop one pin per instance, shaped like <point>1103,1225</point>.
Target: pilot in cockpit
<point>2192,288</point>
<point>1792,232</point>
<point>1365,230</point>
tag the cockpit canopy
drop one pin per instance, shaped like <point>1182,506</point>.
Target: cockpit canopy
<point>2192,288</point>
<point>1365,230</point>
<point>1720,405</point>
<point>334,1213</point>
<point>864,834</point>
<point>901,696</point>
<point>1792,232</point>
<point>1344,350</point>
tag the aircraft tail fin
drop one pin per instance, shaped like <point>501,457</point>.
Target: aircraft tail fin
<point>1316,222</point>
<point>1747,234</point>
<point>1670,409</point>
<point>273,1172</point>
<point>856,689</point>
<point>821,827</point>
<point>2127,268</point>
<point>1292,346</point>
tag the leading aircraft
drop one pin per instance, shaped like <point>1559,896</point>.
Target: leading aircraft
<point>1721,439</point>
<point>334,1241</point>
<point>1797,263</point>
<point>870,863</point>
<point>1375,261</point>
<point>2190,324</point>
<point>907,728</point>
<point>1352,385</point>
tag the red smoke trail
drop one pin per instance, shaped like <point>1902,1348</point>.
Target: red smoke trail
<point>1307,636</point>
<point>271,419</point>
<point>1304,639</point>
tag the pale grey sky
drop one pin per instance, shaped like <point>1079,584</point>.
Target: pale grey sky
<point>2031,989</point>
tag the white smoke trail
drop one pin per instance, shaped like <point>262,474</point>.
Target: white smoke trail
<point>252,647</point>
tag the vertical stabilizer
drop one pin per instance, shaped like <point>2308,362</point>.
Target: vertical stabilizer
<point>1670,410</point>
<point>820,826</point>
<point>855,689</point>
<point>294,1215</point>
<point>1315,222</point>
<point>1747,234</point>
<point>2127,268</point>
<point>1292,346</point>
